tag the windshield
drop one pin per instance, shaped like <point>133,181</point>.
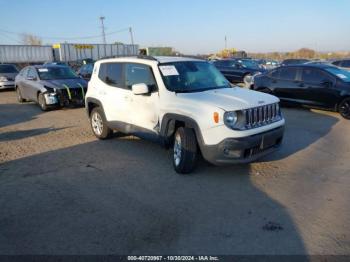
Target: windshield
<point>8,69</point>
<point>192,76</point>
<point>50,73</point>
<point>248,64</point>
<point>340,73</point>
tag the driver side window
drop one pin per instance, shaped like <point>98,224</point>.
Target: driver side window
<point>139,74</point>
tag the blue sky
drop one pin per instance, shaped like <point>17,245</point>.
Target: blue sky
<point>190,26</point>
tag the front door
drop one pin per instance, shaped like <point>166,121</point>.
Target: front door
<point>144,108</point>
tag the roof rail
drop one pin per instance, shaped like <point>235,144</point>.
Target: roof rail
<point>147,57</point>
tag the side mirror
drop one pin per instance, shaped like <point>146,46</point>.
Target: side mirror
<point>140,89</point>
<point>327,83</point>
<point>31,78</point>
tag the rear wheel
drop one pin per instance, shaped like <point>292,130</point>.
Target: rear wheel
<point>42,102</point>
<point>344,108</point>
<point>19,96</point>
<point>99,124</point>
<point>185,151</point>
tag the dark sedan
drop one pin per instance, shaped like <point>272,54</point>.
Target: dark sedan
<point>294,62</point>
<point>50,86</point>
<point>345,64</point>
<point>239,70</point>
<point>319,86</point>
<point>86,71</point>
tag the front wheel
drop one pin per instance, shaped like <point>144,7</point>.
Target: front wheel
<point>99,124</point>
<point>344,108</point>
<point>42,102</point>
<point>185,151</point>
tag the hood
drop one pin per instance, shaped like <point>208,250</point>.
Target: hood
<point>230,99</point>
<point>59,83</point>
<point>9,76</point>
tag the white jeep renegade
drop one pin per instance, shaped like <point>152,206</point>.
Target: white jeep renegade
<point>186,104</point>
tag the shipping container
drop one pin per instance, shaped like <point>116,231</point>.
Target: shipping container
<point>25,54</point>
<point>67,52</point>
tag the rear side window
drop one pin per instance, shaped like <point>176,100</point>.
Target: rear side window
<point>112,74</point>
<point>139,74</point>
<point>286,73</point>
<point>337,63</point>
<point>312,75</point>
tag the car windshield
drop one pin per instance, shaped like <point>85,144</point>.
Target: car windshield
<point>50,73</point>
<point>340,73</point>
<point>8,69</point>
<point>249,64</point>
<point>192,76</point>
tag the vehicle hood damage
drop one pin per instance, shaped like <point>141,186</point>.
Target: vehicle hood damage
<point>64,83</point>
<point>230,99</point>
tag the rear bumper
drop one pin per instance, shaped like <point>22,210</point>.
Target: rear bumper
<point>7,84</point>
<point>244,149</point>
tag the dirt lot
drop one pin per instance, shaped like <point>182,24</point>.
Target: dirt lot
<point>64,192</point>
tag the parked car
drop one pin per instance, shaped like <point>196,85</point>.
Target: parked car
<point>267,64</point>
<point>239,70</point>
<point>294,62</point>
<point>56,63</point>
<point>8,72</point>
<point>184,103</point>
<point>86,71</point>
<point>344,64</point>
<point>313,85</point>
<point>50,86</point>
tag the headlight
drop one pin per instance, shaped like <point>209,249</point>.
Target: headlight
<point>230,119</point>
<point>3,79</point>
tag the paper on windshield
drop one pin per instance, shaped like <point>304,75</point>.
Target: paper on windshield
<point>169,70</point>
<point>42,70</point>
<point>342,76</point>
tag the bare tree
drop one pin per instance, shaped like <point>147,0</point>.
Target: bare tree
<point>29,39</point>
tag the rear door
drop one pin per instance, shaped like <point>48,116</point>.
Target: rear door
<point>113,93</point>
<point>284,82</point>
<point>144,108</point>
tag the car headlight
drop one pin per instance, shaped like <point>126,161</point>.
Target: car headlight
<point>3,79</point>
<point>230,119</point>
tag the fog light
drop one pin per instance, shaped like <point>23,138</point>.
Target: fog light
<point>233,153</point>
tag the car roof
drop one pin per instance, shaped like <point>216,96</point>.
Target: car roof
<point>321,66</point>
<point>159,59</point>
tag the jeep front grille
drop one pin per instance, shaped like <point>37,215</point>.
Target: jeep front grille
<point>262,115</point>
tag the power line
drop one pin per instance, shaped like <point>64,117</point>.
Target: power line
<point>67,38</point>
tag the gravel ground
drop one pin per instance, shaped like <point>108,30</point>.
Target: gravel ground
<point>64,192</point>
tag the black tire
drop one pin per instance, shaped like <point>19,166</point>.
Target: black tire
<point>344,108</point>
<point>20,99</point>
<point>185,160</point>
<point>42,102</point>
<point>100,128</point>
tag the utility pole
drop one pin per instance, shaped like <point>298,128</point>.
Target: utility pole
<point>225,42</point>
<point>102,18</point>
<point>131,35</point>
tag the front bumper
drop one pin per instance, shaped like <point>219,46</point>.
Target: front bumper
<point>7,84</point>
<point>244,149</point>
<point>63,98</point>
